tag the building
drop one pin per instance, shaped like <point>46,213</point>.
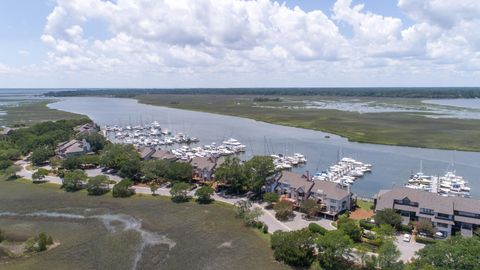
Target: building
<point>86,128</point>
<point>203,168</point>
<point>334,198</point>
<point>293,186</point>
<point>145,152</point>
<point>73,148</point>
<point>163,155</point>
<point>448,215</point>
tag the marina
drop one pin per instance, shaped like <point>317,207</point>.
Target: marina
<point>345,172</point>
<point>392,164</point>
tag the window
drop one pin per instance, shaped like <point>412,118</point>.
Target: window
<point>333,201</point>
<point>443,216</point>
<point>427,211</point>
<point>442,225</point>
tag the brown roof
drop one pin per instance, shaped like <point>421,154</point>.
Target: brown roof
<point>295,181</point>
<point>466,205</point>
<point>330,189</point>
<point>163,154</point>
<point>145,152</point>
<point>203,163</point>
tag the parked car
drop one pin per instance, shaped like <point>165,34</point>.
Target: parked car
<point>407,237</point>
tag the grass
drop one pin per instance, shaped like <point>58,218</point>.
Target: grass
<point>395,128</point>
<point>31,112</point>
<point>365,205</point>
<point>199,232</point>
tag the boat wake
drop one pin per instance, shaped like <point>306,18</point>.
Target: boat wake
<point>113,223</point>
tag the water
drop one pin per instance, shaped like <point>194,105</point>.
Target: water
<point>392,165</point>
<point>469,103</point>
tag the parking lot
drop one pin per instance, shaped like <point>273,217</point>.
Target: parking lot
<point>407,249</point>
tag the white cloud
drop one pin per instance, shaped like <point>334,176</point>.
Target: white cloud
<point>262,36</point>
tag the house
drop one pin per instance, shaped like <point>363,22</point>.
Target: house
<point>86,128</point>
<point>164,155</point>
<point>448,215</point>
<point>73,148</point>
<point>145,152</point>
<point>334,198</point>
<point>203,168</point>
<point>293,186</point>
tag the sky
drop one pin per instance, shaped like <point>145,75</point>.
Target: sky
<point>239,43</point>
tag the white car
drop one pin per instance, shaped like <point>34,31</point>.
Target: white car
<point>407,237</point>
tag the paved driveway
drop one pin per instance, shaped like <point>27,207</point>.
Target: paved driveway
<point>407,249</point>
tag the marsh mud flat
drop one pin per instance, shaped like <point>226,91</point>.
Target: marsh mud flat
<point>392,165</point>
<point>136,233</point>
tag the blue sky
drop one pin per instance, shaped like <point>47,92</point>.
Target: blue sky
<point>207,43</point>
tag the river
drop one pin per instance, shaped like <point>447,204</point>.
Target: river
<point>392,165</point>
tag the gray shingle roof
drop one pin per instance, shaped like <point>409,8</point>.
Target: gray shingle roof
<point>295,181</point>
<point>330,189</point>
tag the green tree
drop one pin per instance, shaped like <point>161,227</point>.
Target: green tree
<point>123,189</point>
<point>115,156</point>
<point>40,175</point>
<point>251,216</point>
<point>179,172</point>
<point>384,231</point>
<point>73,180</point>
<point>97,141</point>
<point>154,170</point>
<point>388,256</point>
<point>41,155</point>
<point>232,173</point>
<point>131,168</point>
<point>425,226</point>
<point>204,194</point>
<point>242,207</point>
<point>71,163</point>
<point>334,247</point>
<point>2,236</point>
<point>11,172</point>
<point>258,169</point>
<point>153,188</point>
<point>310,207</point>
<point>316,229</point>
<point>271,198</point>
<point>98,185</point>
<point>4,164</point>
<point>179,192</point>
<point>350,228</point>
<point>388,216</point>
<point>454,253</point>
<point>42,242</point>
<point>283,210</point>
<point>294,248</point>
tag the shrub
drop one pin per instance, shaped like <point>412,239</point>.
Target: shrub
<point>204,194</point>
<point>259,225</point>
<point>265,228</point>
<point>98,185</point>
<point>424,240</point>
<point>366,225</point>
<point>270,197</point>
<point>179,192</point>
<point>283,210</point>
<point>293,248</point>
<point>2,236</point>
<point>317,229</point>
<point>122,189</point>
<point>73,181</point>
<point>404,228</point>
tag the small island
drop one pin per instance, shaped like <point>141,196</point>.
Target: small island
<point>16,246</point>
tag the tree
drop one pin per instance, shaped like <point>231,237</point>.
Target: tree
<point>122,189</point>
<point>242,207</point>
<point>385,231</point>
<point>454,253</point>
<point>316,229</point>
<point>270,198</point>
<point>4,164</point>
<point>2,236</point>
<point>130,168</point>
<point>334,247</point>
<point>98,185</point>
<point>425,227</point>
<point>179,192</point>
<point>251,216</point>
<point>11,172</point>
<point>257,170</point>
<point>388,255</point>
<point>283,210</point>
<point>97,141</point>
<point>179,172</point>
<point>153,170</point>
<point>115,155</point>
<point>71,163</point>
<point>42,242</point>
<point>73,180</point>
<point>310,207</point>
<point>39,175</point>
<point>154,187</point>
<point>41,155</point>
<point>204,194</point>
<point>232,173</point>
<point>350,228</point>
<point>294,248</point>
<point>388,216</point>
